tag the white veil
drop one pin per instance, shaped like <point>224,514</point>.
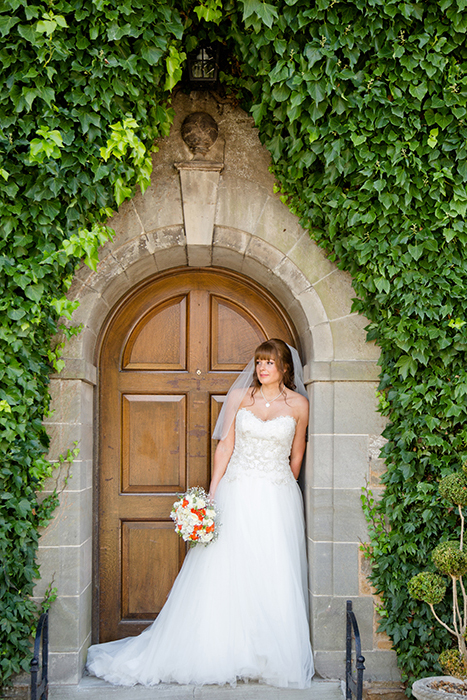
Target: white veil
<point>239,388</point>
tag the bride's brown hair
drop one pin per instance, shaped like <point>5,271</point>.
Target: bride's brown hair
<point>278,351</point>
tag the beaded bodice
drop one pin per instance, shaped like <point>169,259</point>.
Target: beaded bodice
<point>262,448</point>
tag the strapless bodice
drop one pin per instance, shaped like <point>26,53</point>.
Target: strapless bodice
<point>262,448</point>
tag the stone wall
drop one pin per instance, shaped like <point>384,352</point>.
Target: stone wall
<point>220,210</point>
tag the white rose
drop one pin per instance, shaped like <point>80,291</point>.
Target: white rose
<point>206,537</point>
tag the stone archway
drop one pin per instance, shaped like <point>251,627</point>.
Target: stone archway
<point>248,230</point>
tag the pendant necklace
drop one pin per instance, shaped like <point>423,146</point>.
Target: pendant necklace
<point>268,403</point>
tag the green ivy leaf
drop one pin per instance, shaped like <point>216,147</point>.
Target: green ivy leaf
<point>407,365</point>
<point>7,23</point>
<point>419,91</point>
<point>280,93</point>
<point>316,91</point>
<point>210,12</point>
<point>16,314</point>
<point>174,62</point>
<point>23,507</point>
<point>266,12</point>
<point>152,54</point>
<point>34,291</point>
<point>382,285</point>
<point>416,251</point>
<point>122,192</point>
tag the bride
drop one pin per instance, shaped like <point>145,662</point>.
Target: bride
<point>238,608</point>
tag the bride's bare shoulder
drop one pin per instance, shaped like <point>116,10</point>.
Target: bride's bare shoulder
<point>299,404</point>
<point>298,399</point>
<point>248,398</point>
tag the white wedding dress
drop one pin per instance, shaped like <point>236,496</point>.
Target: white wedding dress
<point>238,608</point>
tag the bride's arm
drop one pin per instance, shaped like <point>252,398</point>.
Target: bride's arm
<point>222,456</point>
<point>299,443</point>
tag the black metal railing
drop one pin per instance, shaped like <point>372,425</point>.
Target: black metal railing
<point>352,685</point>
<point>40,689</point>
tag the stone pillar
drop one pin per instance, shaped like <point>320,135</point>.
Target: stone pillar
<point>342,454</point>
<point>65,547</point>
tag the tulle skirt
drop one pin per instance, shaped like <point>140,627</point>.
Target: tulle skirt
<point>238,608</point>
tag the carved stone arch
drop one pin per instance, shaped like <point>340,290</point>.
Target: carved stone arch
<point>99,291</point>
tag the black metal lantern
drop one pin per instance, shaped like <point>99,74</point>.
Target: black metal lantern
<point>203,67</point>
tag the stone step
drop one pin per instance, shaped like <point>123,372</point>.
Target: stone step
<point>95,689</point>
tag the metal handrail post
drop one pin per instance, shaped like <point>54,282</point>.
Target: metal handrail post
<point>352,686</point>
<point>348,651</point>
<point>40,691</point>
<point>45,649</point>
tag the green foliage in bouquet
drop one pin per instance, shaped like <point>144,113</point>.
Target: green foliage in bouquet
<point>450,558</point>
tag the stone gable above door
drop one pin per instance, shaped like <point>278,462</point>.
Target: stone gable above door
<point>221,210</point>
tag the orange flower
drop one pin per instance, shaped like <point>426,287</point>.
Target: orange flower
<point>210,528</point>
<point>184,503</point>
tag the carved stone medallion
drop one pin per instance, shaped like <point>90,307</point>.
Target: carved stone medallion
<point>199,131</point>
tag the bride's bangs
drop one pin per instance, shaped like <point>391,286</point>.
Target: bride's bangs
<point>277,350</point>
<point>266,351</point>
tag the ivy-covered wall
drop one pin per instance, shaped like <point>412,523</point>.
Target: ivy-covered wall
<point>362,106</point>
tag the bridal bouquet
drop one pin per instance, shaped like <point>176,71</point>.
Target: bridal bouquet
<point>195,517</point>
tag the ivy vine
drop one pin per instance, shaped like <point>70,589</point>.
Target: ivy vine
<point>362,105</point>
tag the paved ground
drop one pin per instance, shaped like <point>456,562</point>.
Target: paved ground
<point>95,689</point>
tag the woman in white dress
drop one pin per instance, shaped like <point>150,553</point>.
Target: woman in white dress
<point>238,608</point>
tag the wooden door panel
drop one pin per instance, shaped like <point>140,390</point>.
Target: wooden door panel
<point>153,444</point>
<point>151,558</point>
<point>169,354</point>
<point>234,333</point>
<point>159,339</point>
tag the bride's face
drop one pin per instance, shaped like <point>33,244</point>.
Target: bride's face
<point>268,372</point>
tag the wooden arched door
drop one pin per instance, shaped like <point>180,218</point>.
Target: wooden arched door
<point>169,354</point>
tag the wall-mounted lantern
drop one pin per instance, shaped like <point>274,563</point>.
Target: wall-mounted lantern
<point>203,67</point>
